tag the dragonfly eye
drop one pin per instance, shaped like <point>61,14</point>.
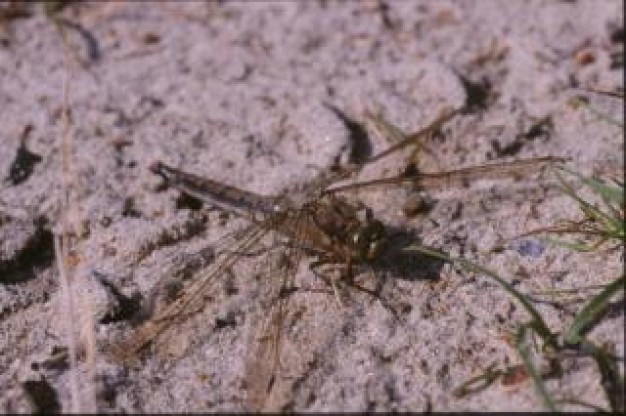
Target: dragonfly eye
<point>369,240</point>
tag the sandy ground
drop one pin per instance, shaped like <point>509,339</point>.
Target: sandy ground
<point>265,96</point>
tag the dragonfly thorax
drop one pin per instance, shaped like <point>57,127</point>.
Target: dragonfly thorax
<point>353,228</point>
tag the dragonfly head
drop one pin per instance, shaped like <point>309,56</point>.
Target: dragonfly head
<point>370,238</point>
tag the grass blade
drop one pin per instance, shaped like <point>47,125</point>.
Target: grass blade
<point>610,379</point>
<point>522,350</point>
<point>591,312</point>
<point>538,323</point>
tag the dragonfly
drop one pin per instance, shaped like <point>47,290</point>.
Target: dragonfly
<point>325,226</point>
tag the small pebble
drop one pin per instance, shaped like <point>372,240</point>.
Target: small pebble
<point>528,248</point>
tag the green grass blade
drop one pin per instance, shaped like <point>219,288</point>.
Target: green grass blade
<point>568,244</point>
<point>581,403</point>
<point>591,312</point>
<point>612,193</point>
<point>588,208</point>
<point>610,225</point>
<point>540,388</point>
<point>485,379</point>
<point>612,382</point>
<point>538,322</point>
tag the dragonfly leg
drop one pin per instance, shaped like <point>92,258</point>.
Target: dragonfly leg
<point>337,296</point>
<point>247,253</point>
<point>329,280</point>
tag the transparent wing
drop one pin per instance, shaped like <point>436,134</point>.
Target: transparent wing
<point>439,180</point>
<point>255,208</point>
<point>263,362</point>
<point>401,140</point>
<point>190,299</point>
<point>458,177</point>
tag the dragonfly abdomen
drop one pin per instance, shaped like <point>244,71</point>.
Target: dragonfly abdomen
<point>223,196</point>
